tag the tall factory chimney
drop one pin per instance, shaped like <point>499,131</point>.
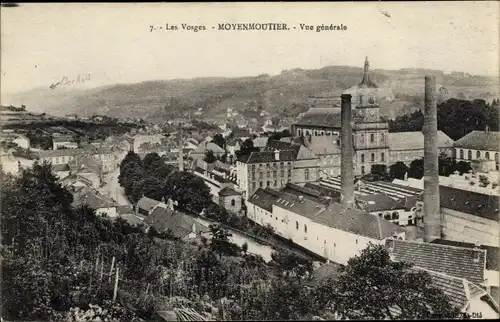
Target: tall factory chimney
<point>432,214</point>
<point>346,157</point>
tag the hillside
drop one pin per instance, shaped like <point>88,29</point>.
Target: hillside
<point>283,94</point>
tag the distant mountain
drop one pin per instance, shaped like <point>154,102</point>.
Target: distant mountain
<point>281,95</point>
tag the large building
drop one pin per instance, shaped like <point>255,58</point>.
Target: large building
<point>479,146</point>
<point>373,144</point>
<point>276,165</point>
<point>370,130</point>
<point>322,227</point>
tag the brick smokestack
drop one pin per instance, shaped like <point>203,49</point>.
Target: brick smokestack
<point>346,157</point>
<point>432,214</point>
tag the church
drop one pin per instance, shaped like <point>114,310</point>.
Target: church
<point>372,142</point>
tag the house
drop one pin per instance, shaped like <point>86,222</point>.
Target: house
<point>102,204</point>
<point>61,170</point>
<point>452,268</point>
<point>260,142</point>
<point>323,228</point>
<point>22,141</point>
<point>382,205</point>
<point>66,155</point>
<point>230,199</point>
<point>86,164</point>
<point>328,152</point>
<point>276,165</point>
<point>202,148</point>
<point>181,226</point>
<point>145,206</point>
<point>409,146</point>
<point>240,133</point>
<point>479,146</point>
<point>272,128</point>
<point>60,141</point>
<point>492,267</point>
<point>215,177</point>
<point>75,181</point>
<point>233,145</point>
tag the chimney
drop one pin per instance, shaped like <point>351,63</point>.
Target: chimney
<point>432,214</point>
<point>277,155</point>
<point>346,161</point>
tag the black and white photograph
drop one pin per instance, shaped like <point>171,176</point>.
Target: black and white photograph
<point>250,161</point>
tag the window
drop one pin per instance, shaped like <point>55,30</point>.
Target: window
<point>297,225</point>
<point>362,169</point>
<point>372,137</point>
<point>356,241</point>
<point>487,155</point>
<point>260,184</point>
<point>275,173</point>
<point>300,132</point>
<point>233,203</point>
<point>306,174</point>
<point>360,99</point>
<point>268,183</point>
<point>362,138</point>
<point>289,173</point>
<point>469,155</point>
<point>382,157</point>
<point>461,154</point>
<point>387,216</point>
<point>282,172</point>
<point>315,133</point>
<point>362,158</point>
<point>305,228</point>
<point>380,214</point>
<point>478,154</point>
<point>338,142</point>
<point>395,215</point>
<point>381,137</point>
<point>253,185</point>
<point>373,157</point>
<point>496,157</point>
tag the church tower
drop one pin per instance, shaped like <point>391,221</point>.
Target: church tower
<point>370,130</point>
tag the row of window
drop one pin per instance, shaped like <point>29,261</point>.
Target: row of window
<point>478,155</point>
<point>382,157</point>
<point>268,165</point>
<point>268,183</point>
<point>268,174</point>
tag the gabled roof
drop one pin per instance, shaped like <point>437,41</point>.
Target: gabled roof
<point>378,202</point>
<point>179,224</point>
<point>147,204</point>
<point>357,222</point>
<point>492,253</point>
<point>93,199</point>
<point>226,191</point>
<point>480,140</point>
<point>204,147</point>
<point>469,202</point>
<point>269,156</point>
<point>352,220</point>
<point>415,141</point>
<point>451,260</point>
<point>85,163</point>
<point>264,198</point>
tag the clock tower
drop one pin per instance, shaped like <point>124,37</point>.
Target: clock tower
<point>370,130</point>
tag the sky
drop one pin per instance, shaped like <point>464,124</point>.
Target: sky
<point>42,43</point>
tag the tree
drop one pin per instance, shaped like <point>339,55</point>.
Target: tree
<point>210,157</point>
<point>189,190</point>
<point>219,140</point>
<point>220,241</point>
<point>416,169</point>
<point>246,148</point>
<point>292,264</point>
<point>398,170</point>
<point>379,169</point>
<point>371,284</point>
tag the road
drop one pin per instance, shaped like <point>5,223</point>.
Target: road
<point>113,189</point>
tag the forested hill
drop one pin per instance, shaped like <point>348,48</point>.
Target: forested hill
<point>285,94</point>
<point>456,118</point>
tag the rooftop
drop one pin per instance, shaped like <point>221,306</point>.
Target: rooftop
<point>377,202</point>
<point>480,140</point>
<point>226,191</point>
<point>469,202</point>
<point>179,225</point>
<point>269,156</point>
<point>264,198</point>
<point>492,253</point>
<point>415,141</point>
<point>451,260</point>
<point>72,152</point>
<point>147,204</point>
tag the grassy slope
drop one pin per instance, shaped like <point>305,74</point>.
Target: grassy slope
<point>283,94</point>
